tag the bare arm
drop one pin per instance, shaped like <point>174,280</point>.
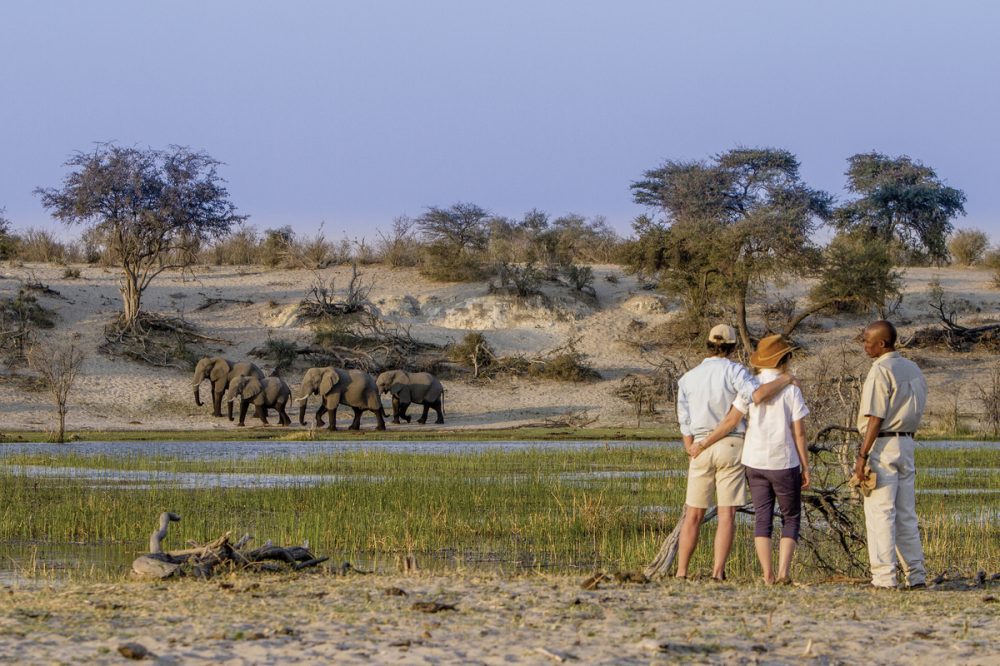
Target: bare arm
<point>767,391</point>
<point>725,427</point>
<point>799,434</point>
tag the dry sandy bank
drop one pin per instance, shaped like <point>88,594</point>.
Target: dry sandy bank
<point>535,619</point>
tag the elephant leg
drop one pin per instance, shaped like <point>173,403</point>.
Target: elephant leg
<point>283,419</point>
<point>437,408</point>
<point>319,416</point>
<point>217,404</point>
<point>262,413</point>
<point>380,418</point>
<point>332,425</point>
<point>403,406</point>
<point>395,410</point>
<point>423,417</point>
<point>356,423</point>
<point>243,411</point>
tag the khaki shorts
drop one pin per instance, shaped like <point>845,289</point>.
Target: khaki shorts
<point>717,474</point>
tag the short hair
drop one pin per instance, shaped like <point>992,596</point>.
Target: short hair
<point>720,348</point>
<point>887,330</point>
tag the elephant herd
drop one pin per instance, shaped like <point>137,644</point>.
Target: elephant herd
<point>244,384</point>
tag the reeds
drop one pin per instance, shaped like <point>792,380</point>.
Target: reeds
<point>536,509</point>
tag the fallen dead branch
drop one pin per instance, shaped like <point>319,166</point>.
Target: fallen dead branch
<point>202,560</point>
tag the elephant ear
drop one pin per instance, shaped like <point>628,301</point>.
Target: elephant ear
<point>401,391</point>
<point>251,387</point>
<point>330,380</point>
<point>220,371</point>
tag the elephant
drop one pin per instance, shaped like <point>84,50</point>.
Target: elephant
<point>221,373</point>
<point>266,393</point>
<point>421,388</point>
<point>336,386</point>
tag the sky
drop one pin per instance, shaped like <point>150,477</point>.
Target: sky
<point>348,114</point>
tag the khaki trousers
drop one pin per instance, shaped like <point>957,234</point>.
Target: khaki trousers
<point>891,514</point>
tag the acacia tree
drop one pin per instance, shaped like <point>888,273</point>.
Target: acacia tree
<point>900,200</point>
<point>457,238</point>
<point>152,209</point>
<point>730,224</point>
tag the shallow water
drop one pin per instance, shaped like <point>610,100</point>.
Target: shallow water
<point>248,450</point>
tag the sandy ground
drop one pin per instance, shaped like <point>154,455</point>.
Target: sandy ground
<point>522,620</point>
<point>121,394</point>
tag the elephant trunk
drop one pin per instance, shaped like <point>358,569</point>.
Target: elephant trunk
<point>197,394</point>
<point>303,403</point>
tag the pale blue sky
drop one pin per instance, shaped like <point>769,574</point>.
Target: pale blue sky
<point>355,112</point>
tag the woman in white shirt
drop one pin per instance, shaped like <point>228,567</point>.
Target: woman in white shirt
<point>774,455</point>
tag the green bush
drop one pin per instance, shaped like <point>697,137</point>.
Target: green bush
<point>283,353</point>
<point>442,262</point>
<point>858,274</point>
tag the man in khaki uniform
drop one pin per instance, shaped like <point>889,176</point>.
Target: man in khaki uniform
<point>892,403</point>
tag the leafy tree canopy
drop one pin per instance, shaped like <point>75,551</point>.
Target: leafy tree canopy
<point>900,198</point>
<point>152,208</point>
<point>727,225</point>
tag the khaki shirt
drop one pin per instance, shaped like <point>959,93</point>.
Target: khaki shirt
<point>896,391</point>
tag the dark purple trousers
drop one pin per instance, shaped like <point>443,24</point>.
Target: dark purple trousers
<point>785,485</point>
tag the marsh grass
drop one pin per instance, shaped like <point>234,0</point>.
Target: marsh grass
<point>526,509</point>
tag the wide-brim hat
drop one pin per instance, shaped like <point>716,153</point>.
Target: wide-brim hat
<point>770,350</point>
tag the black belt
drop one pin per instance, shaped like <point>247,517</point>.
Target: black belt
<point>893,433</point>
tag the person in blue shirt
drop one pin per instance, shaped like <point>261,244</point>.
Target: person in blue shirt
<point>704,395</point>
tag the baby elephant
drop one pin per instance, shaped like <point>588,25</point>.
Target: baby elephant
<point>267,393</point>
<point>422,388</point>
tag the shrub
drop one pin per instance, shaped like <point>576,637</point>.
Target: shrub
<point>440,262</point>
<point>473,350</point>
<point>240,248</point>
<point>277,246</point>
<point>71,274</point>
<point>398,247</point>
<point>8,241</point>
<point>282,353</point>
<point>967,246</point>
<point>38,245</point>
<point>858,275</point>
<point>580,278</point>
<point>567,366</point>
<point>991,260</point>
<point>523,280</point>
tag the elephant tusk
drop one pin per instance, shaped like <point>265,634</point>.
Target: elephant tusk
<point>302,399</point>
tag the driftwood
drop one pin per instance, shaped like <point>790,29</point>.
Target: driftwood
<point>201,560</point>
<point>660,566</point>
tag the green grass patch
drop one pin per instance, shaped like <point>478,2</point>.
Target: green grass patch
<point>606,507</point>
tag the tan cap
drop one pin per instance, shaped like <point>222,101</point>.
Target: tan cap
<point>722,333</point>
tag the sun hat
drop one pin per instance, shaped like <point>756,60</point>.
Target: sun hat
<point>770,350</point>
<point>723,333</point>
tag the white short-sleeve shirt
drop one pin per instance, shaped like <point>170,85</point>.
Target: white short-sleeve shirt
<point>769,443</point>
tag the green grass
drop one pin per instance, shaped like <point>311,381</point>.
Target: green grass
<point>525,508</point>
